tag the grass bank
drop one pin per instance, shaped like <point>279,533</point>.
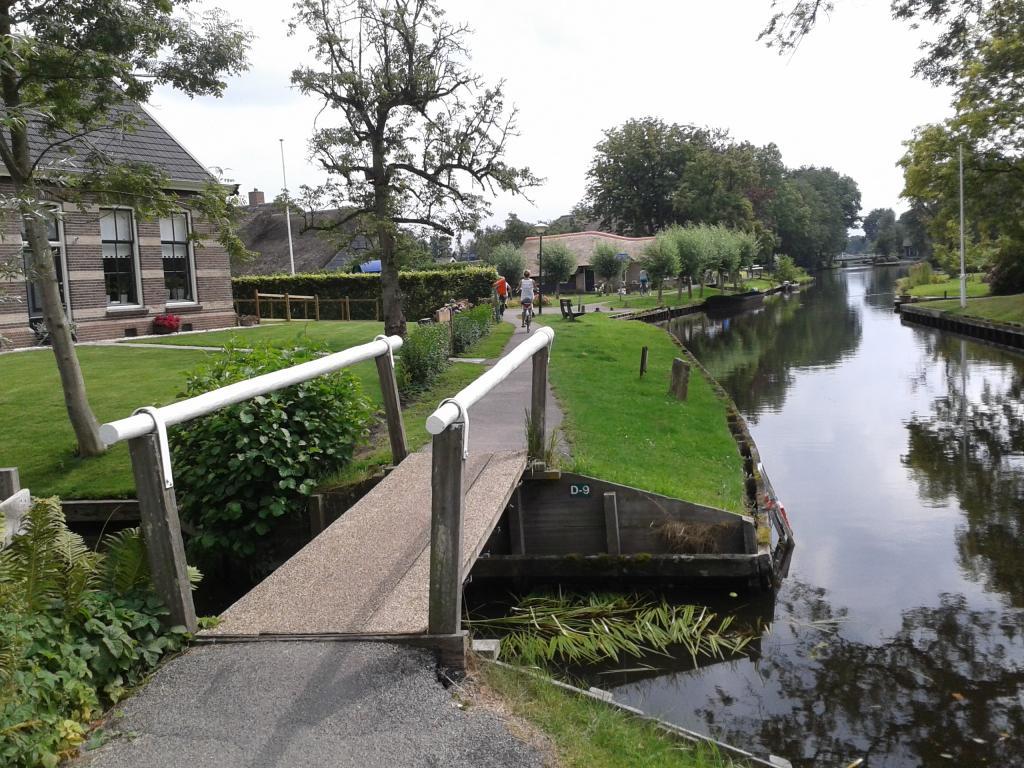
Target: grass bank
<point>946,286</point>
<point>628,430</point>
<point>589,734</point>
<point>998,309</point>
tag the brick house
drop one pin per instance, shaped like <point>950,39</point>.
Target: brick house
<point>117,270</point>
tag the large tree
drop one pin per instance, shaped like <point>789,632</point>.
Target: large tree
<point>635,172</point>
<point>67,70</point>
<point>418,139</point>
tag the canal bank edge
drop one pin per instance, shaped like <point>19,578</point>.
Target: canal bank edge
<point>661,314</point>
<point>1002,335</point>
<point>765,505</point>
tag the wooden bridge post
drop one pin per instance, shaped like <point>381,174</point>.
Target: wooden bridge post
<point>445,616</point>
<point>10,482</point>
<point>539,394</point>
<point>161,530</point>
<point>392,408</point>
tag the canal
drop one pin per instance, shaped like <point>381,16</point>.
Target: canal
<point>899,453</point>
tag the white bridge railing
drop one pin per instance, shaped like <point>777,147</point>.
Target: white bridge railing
<point>146,434</point>
<point>449,425</point>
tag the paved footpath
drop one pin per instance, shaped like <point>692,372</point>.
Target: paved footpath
<point>293,705</point>
<point>498,421</point>
<point>298,704</point>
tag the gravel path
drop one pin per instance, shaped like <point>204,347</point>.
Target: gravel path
<point>264,705</point>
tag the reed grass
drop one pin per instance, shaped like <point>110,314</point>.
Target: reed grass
<point>590,629</point>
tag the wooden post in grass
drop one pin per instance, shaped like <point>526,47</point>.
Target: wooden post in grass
<point>445,613</point>
<point>287,307</point>
<point>680,383</point>
<point>392,408</point>
<point>316,306</point>
<point>643,361</point>
<point>161,530</point>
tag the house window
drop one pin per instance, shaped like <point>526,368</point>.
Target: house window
<point>35,296</point>
<point>177,256</point>
<point>117,231</point>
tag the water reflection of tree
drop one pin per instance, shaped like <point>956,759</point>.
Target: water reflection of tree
<point>973,450</point>
<point>754,358</point>
<point>949,682</point>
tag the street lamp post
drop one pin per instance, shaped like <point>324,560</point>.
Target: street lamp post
<point>540,229</point>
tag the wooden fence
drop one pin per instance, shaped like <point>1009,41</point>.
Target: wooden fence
<point>285,306</point>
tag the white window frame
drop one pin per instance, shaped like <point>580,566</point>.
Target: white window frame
<point>136,261</point>
<point>189,245</point>
<point>59,244</point>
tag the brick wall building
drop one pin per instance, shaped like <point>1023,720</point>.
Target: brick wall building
<point>118,271</point>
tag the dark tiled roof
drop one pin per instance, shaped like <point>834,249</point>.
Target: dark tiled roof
<point>146,142</point>
<point>264,232</point>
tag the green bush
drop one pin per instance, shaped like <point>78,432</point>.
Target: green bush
<point>423,357</point>
<point>919,274</point>
<point>243,471</point>
<point>422,292</point>
<point>470,326</point>
<point>786,269</point>
<point>78,629</point>
<point>508,261</point>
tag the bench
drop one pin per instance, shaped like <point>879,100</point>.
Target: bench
<point>568,313</point>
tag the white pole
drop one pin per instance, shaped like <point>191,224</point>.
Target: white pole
<point>287,211</point>
<point>963,273</point>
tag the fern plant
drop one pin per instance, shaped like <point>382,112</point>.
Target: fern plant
<point>78,628</point>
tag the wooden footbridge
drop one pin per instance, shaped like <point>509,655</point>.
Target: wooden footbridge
<point>392,567</point>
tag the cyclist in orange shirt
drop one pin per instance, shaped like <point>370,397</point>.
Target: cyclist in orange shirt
<point>501,288</point>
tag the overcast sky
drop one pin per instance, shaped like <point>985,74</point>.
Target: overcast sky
<point>575,68</point>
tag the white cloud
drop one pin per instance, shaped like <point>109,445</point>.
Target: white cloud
<point>845,99</point>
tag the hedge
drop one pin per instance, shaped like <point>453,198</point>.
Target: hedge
<point>422,292</point>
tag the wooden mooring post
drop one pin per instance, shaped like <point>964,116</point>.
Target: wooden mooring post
<point>680,383</point>
<point>447,501</point>
<point>643,361</point>
<point>161,530</point>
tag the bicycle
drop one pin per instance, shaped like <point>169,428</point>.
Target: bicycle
<point>527,315</point>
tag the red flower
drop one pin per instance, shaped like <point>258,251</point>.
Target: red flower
<point>169,322</point>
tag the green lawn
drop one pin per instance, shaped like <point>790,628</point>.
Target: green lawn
<point>628,430</point>
<point>35,435</point>
<point>999,309</point>
<point>951,287</point>
<point>335,334</point>
<point>590,734</point>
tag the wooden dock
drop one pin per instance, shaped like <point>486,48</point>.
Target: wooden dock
<point>369,572</point>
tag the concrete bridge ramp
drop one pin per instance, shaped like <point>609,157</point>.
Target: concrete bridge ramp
<point>369,572</point>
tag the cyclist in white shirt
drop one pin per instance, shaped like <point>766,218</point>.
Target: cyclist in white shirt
<point>526,288</point>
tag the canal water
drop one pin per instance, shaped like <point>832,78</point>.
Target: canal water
<point>899,454</point>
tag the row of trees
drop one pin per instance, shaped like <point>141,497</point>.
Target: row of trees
<point>690,253</point>
<point>975,49</point>
<point>648,175</point>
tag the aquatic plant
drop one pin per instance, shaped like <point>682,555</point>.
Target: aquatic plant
<point>593,628</point>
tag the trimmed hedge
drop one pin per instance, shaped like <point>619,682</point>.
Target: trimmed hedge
<point>422,292</point>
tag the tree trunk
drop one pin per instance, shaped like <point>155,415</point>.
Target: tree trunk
<point>689,286</point>
<point>44,277</point>
<point>391,293</point>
